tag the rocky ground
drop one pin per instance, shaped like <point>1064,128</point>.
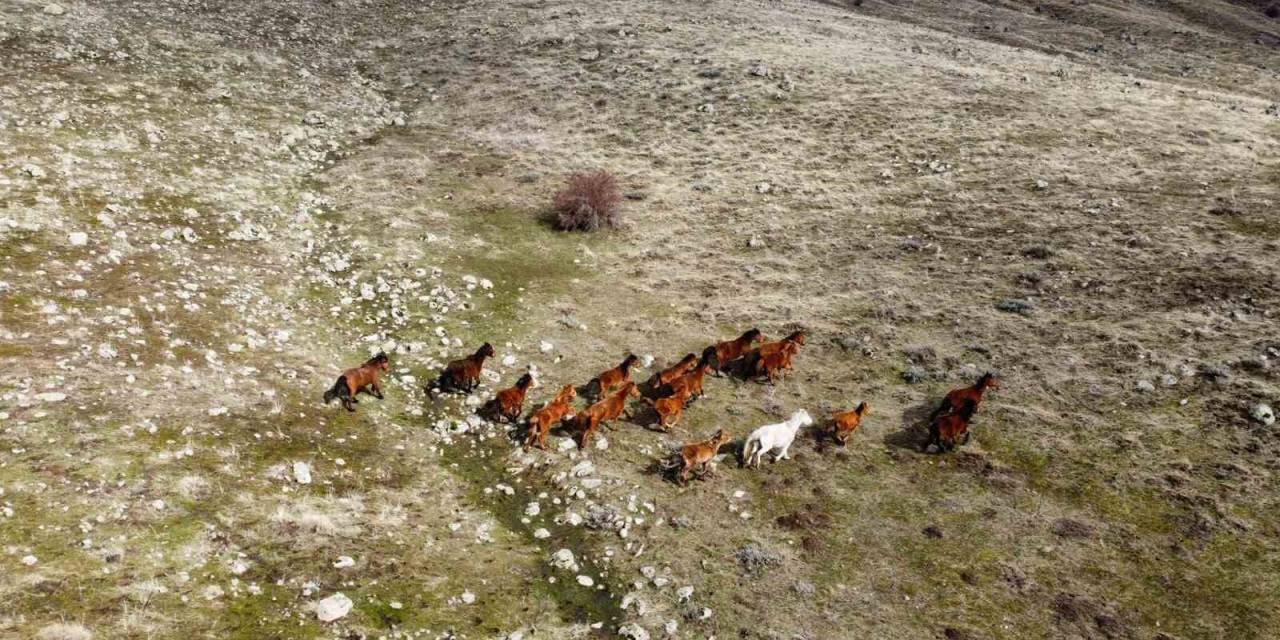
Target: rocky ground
<point>207,210</point>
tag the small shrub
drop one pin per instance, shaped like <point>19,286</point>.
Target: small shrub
<point>588,202</point>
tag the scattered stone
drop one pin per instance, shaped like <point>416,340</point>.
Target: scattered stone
<point>763,187</point>
<point>344,562</point>
<point>755,558</point>
<point>545,346</point>
<point>541,533</point>
<point>54,9</point>
<point>586,581</point>
<point>1263,414</point>
<point>1169,380</point>
<point>468,597</point>
<point>759,70</point>
<point>1016,305</point>
<point>1038,252</point>
<point>590,55</point>
<point>30,560</point>
<point>51,396</point>
<point>32,171</point>
<point>563,559</point>
<point>313,118</point>
<point>78,238</point>
<point>914,375</point>
<point>633,631</point>
<point>1071,528</point>
<point>302,472</point>
<point>333,607</point>
<point>707,108</point>
<point>1041,184</point>
<point>64,631</point>
<point>1145,386</point>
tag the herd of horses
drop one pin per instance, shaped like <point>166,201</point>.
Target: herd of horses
<point>668,392</point>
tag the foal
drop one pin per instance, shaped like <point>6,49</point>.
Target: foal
<point>605,382</point>
<point>541,420</point>
<point>590,419</point>
<point>361,378</point>
<point>697,456</point>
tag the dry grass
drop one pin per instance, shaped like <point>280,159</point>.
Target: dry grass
<point>867,173</point>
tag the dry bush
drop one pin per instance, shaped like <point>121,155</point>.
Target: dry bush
<point>588,202</point>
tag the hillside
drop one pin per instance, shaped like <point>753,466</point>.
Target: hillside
<point>208,210</point>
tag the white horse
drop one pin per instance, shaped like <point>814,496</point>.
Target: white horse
<point>774,436</point>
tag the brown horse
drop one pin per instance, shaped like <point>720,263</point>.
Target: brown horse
<point>730,350</point>
<point>507,405</point>
<point>361,378</point>
<point>541,420</point>
<point>462,375</point>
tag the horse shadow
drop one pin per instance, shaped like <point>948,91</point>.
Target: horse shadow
<point>915,427</point>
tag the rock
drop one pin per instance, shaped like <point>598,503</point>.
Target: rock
<point>313,118</point>
<point>586,581</point>
<point>1041,184</point>
<point>51,396</point>
<point>541,533</point>
<point>1263,413</point>
<point>468,597</point>
<point>754,242</point>
<point>759,70</point>
<point>532,509</point>
<point>646,361</point>
<point>582,469</point>
<point>333,607</point>
<point>78,238</point>
<point>302,472</point>
<point>755,558</point>
<point>563,559</point>
<point>64,631</point>
<point>1145,386</point>
<point>32,171</point>
<point>914,375</point>
<point>633,631</point>
<point>684,593</point>
<point>921,355</point>
<point>1016,305</point>
<point>670,627</point>
<point>30,560</point>
<point>1038,252</point>
<point>589,55</point>
<point>545,346</point>
<point>508,361</point>
<point>1168,380</point>
<point>54,9</point>
<point>763,187</point>
<point>707,108</point>
<point>344,562</point>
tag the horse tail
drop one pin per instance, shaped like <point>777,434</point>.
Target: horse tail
<point>339,390</point>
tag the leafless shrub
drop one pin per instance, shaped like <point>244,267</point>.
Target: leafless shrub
<point>588,202</point>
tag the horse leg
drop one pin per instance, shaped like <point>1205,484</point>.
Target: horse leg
<point>377,391</point>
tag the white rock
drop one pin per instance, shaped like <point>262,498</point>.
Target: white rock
<point>545,346</point>
<point>1264,414</point>
<point>684,593</point>
<point>333,607</point>
<point>541,533</point>
<point>602,443</point>
<point>646,360</point>
<point>343,562</point>
<point>508,361</point>
<point>586,581</point>
<point>78,238</point>
<point>633,631</point>
<point>30,560</point>
<point>563,559</point>
<point>1145,386</point>
<point>671,626</point>
<point>468,597</point>
<point>54,9</point>
<point>302,472</point>
<point>532,509</point>
<point>582,469</point>
<point>51,396</point>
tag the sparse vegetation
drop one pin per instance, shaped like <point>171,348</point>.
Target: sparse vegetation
<point>209,213</point>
